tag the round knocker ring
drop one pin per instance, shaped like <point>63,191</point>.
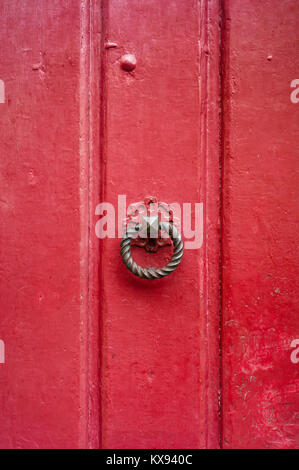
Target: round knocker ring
<point>152,273</point>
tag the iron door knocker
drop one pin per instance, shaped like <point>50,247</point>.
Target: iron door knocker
<point>151,226</point>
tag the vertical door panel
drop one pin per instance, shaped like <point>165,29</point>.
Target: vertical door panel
<point>45,140</point>
<point>159,363</point>
<point>260,224</point>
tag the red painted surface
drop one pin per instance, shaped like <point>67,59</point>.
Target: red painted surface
<point>49,382</point>
<point>159,350</point>
<point>95,356</point>
<point>260,225</point>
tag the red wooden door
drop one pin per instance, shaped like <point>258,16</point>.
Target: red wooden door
<point>90,355</point>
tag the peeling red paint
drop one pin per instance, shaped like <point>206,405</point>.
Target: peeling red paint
<point>260,234</point>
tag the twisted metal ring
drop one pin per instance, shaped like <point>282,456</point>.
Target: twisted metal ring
<point>153,273</point>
